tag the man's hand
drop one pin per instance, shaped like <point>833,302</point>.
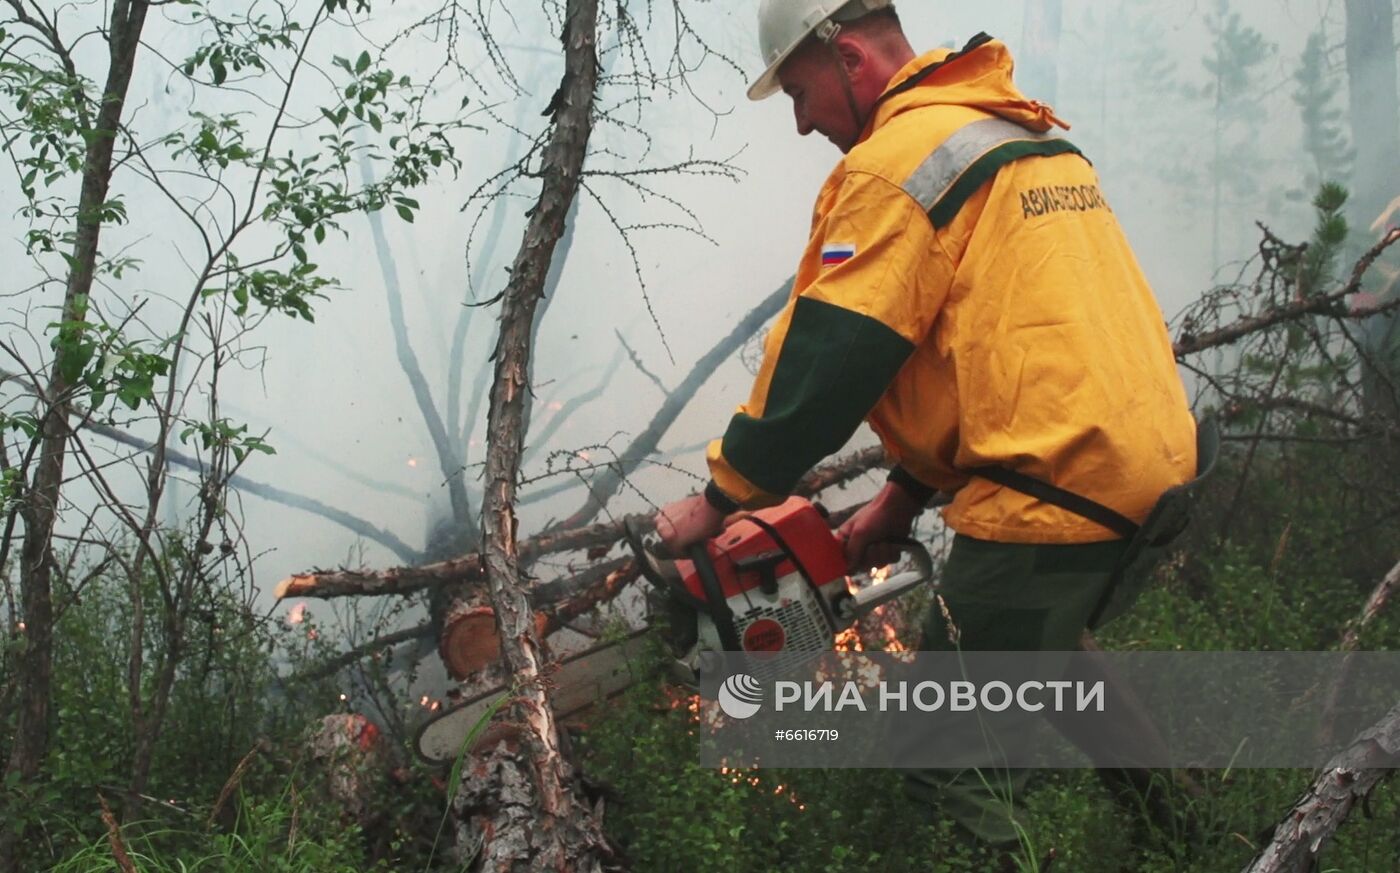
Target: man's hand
<point>890,515</point>
<point>687,522</point>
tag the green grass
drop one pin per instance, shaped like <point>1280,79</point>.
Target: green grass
<point>281,834</point>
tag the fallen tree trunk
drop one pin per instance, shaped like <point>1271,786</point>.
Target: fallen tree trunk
<point>467,570</point>
<point>1380,596</point>
<point>1347,779</point>
<point>556,603</point>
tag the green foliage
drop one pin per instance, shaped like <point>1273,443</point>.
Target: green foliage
<point>99,357</point>
<point>50,104</point>
<point>360,5</point>
<point>227,700</point>
<point>223,434</point>
<point>289,291</point>
<point>674,814</point>
<point>237,43</point>
<point>216,142</point>
<point>1329,235</point>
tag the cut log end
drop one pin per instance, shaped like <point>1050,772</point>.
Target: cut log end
<point>293,586</point>
<point>470,642</point>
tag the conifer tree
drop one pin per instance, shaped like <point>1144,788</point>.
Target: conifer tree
<point>1324,140</point>
<point>1237,53</point>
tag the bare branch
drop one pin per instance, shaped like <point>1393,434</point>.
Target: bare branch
<point>1323,304</point>
<point>1351,638</point>
<point>604,487</point>
<point>637,362</point>
<point>573,405</point>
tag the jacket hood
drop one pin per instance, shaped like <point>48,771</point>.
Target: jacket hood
<point>977,75</point>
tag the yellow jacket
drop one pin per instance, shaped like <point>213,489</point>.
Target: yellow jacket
<point>968,291</point>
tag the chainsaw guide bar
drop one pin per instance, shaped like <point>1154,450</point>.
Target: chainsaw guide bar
<point>584,678</point>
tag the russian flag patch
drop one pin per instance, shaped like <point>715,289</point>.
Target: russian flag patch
<point>837,253</point>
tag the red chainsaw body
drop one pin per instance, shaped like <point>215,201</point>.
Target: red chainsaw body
<point>803,528</point>
<point>748,555</point>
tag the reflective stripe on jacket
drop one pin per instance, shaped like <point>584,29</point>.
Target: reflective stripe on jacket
<point>969,292</point>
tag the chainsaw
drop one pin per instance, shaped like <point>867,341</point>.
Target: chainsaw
<point>774,581</point>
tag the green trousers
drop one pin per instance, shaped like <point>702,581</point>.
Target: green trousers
<point>1006,597</point>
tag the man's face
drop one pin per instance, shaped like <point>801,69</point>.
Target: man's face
<point>812,78</point>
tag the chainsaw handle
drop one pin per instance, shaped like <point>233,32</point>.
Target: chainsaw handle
<point>923,561</point>
<point>664,576</point>
<point>646,560</point>
<point>916,550</point>
<point>657,574</point>
<point>869,597</point>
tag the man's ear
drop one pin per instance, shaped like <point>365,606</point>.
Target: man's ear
<point>854,56</point>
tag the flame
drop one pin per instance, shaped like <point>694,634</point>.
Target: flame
<point>881,624</point>
<point>311,633</point>
<point>690,703</point>
<point>892,642</point>
<point>877,575</point>
<point>848,641</point>
<point>297,613</point>
<point>424,702</point>
<point>413,462</point>
<point>555,406</point>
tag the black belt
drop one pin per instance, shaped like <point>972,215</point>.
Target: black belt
<point>1165,522</point>
<point>1057,496</point>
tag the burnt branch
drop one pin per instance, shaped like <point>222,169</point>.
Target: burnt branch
<point>636,360</point>
<point>573,405</point>
<point>448,456</point>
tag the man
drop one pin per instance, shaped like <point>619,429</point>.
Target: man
<point>968,292</point>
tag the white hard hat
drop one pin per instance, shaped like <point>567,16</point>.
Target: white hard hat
<point>783,25</point>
